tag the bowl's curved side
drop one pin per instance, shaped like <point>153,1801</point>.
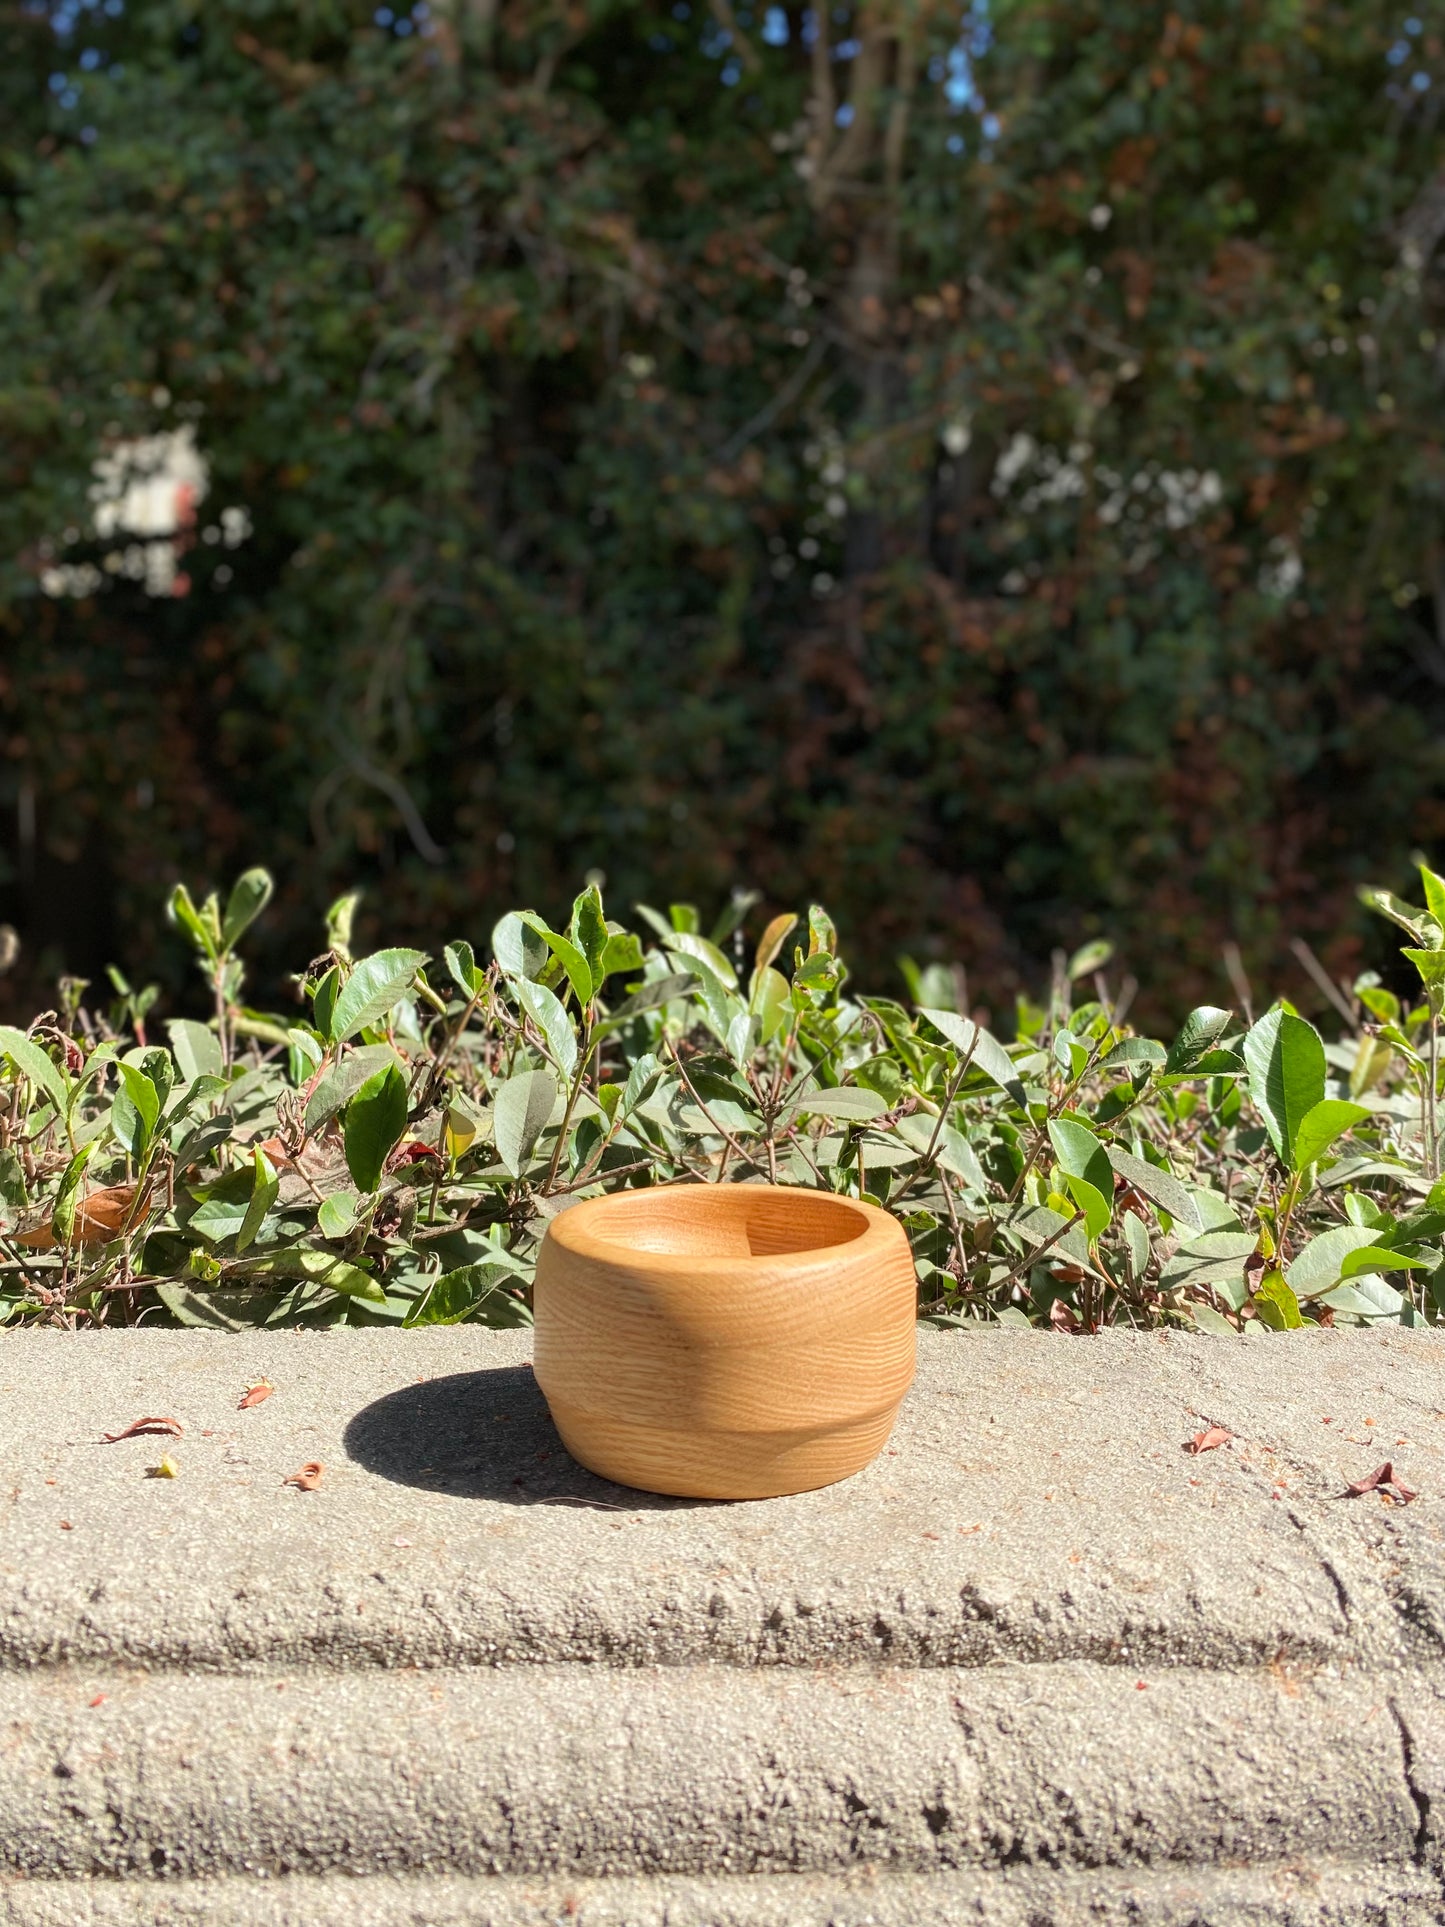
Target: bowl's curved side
<point>725,1378</point>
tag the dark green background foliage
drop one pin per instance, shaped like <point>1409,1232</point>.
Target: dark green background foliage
<point>558,351</point>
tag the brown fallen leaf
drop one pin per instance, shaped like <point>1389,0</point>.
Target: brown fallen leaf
<point>256,1394</point>
<point>308,1478</point>
<point>171,1425</point>
<point>1208,1440</point>
<point>1063,1317</point>
<point>1383,1476</point>
<point>97,1218</point>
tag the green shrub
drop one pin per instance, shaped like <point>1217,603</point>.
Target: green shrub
<point>393,1153</point>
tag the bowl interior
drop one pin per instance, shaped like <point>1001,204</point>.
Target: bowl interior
<point>724,1221</point>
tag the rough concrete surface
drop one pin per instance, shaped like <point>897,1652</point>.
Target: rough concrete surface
<point>1036,1666</point>
<point>1328,1895</point>
<point>698,1770</point>
<point>1035,1504</point>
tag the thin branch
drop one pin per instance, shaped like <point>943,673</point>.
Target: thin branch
<point>742,46</point>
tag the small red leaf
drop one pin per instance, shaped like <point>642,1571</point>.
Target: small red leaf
<point>256,1394</point>
<point>1383,1476</point>
<point>172,1426</point>
<point>1208,1440</point>
<point>413,1151</point>
<point>308,1478</point>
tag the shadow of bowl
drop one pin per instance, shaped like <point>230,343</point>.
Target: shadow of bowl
<point>483,1435</point>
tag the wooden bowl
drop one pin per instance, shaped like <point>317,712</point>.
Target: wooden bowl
<point>724,1341</point>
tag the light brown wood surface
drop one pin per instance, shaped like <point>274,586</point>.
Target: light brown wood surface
<point>733,1341</point>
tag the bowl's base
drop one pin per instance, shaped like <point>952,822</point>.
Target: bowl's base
<point>719,1465</point>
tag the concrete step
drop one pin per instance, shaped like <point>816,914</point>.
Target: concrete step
<point>1038,1664</point>
<point>596,1772</point>
<point>1313,1894</point>
<point>1035,1504</point>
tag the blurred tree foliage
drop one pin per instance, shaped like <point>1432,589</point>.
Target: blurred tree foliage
<point>981,470</point>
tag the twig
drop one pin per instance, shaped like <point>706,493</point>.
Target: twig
<point>1324,980</point>
<point>722,1132</point>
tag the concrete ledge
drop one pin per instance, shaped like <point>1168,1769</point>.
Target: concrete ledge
<point>706,1770</point>
<point>1035,1504</point>
<point>1037,1665</point>
<point>1318,1894</point>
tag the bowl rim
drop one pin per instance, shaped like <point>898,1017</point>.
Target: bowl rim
<point>571,1231</point>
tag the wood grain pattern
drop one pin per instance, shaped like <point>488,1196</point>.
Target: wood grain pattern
<point>731,1341</point>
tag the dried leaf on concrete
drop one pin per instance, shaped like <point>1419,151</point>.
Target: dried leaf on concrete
<point>256,1394</point>
<point>1383,1478</point>
<point>140,1426</point>
<point>1208,1440</point>
<point>308,1478</point>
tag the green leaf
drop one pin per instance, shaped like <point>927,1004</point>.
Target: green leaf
<point>651,996</point>
<point>520,1112</point>
<point>849,1101</point>
<point>1199,1033</point>
<point>1430,964</point>
<point>462,965</point>
<point>322,1268</point>
<point>202,926</point>
<point>1425,929</point>
<point>336,1217</point>
<point>641,1082</point>
<point>623,952</point>
<point>197,1048</point>
<point>1318,1265</point>
<point>1368,1297</point>
<point>374,1121</point>
<point>323,1003</point>
<point>146,1101</point>
<point>1096,1206</point>
<point>338,924</point>
<point>1133,1050</point>
<point>1434,893</point>
<point>249,896</point>
<point>1285,1059</point>
<point>520,948</point>
<point>1212,1321</point>
<point>590,934</point>
<point>264,1188</point>
<point>484,1292</point>
<point>1080,1152</point>
<point>551,1018</point>
<point>33,1063</point>
<point>818,972</point>
<point>374,988</point>
<point>67,1198</point>
<point>574,964</point>
<point>343,1080</point>
<point>1321,1125</point>
<point>1382,1258</point>
<point>1092,957</point>
<point>697,949</point>
<point>989,1055</point>
<point>1275,1304</point>
<point>12,1179</point>
<point>1160,1187</point>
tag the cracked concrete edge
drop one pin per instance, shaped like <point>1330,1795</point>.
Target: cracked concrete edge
<point>564,1770</point>
<point>1308,1894</point>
